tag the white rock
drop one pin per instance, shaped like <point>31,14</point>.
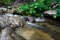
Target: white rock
<point>51,12</point>
<point>9,14</point>
<point>1,8</point>
<point>39,19</point>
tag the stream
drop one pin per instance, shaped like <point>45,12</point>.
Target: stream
<point>47,30</point>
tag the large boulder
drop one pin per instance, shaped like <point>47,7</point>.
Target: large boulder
<point>3,22</point>
<point>6,34</point>
<point>16,21</point>
<point>12,21</point>
<point>9,34</point>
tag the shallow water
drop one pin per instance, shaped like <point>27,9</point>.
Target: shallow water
<point>48,30</point>
<point>32,33</point>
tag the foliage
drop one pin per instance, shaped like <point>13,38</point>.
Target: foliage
<point>58,1</point>
<point>58,9</point>
<point>32,8</point>
<point>58,12</point>
<point>37,8</point>
<point>6,1</point>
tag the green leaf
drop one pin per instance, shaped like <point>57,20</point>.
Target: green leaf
<point>58,12</point>
<point>54,16</point>
<point>58,1</point>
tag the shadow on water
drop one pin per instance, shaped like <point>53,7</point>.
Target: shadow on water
<point>53,21</point>
<point>56,35</point>
<point>51,26</point>
<point>38,26</point>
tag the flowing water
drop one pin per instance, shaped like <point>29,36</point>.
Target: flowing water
<point>47,30</point>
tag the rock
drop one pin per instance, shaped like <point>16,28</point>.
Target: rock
<point>34,34</point>
<point>9,34</point>
<point>39,19</point>
<point>3,22</point>
<point>3,10</point>
<point>9,7</point>
<point>8,14</point>
<point>31,19</point>
<point>24,17</point>
<point>34,25</point>
<point>16,21</point>
<point>17,37</point>
<point>11,20</point>
<point>51,12</point>
<point>6,34</point>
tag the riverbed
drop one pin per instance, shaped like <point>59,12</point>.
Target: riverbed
<point>32,33</point>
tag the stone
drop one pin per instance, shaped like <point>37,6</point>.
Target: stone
<point>31,19</point>
<point>24,17</point>
<point>16,21</point>
<point>17,37</point>
<point>11,20</point>
<point>51,12</point>
<point>6,34</point>
<point>3,10</point>
<point>3,22</point>
<point>9,34</point>
<point>39,19</point>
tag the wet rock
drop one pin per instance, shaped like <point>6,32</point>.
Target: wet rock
<point>16,21</point>
<point>31,19</point>
<point>6,34</point>
<point>33,34</point>
<point>9,34</point>
<point>55,5</point>
<point>56,35</point>
<point>3,22</point>
<point>24,17</point>
<point>8,14</point>
<point>33,25</point>
<point>11,20</point>
<point>17,37</point>
<point>39,19</point>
